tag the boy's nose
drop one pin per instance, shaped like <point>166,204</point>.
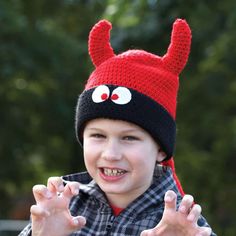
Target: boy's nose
<point>112,151</point>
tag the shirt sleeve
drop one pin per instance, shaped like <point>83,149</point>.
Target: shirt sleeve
<point>26,231</point>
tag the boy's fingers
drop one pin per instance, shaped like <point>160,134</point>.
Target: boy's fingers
<point>194,213</point>
<point>186,204</point>
<point>41,192</point>
<point>71,189</point>
<point>205,231</point>
<point>78,222</point>
<point>55,184</point>
<point>37,211</point>
<point>170,200</point>
<point>144,233</point>
<point>147,233</point>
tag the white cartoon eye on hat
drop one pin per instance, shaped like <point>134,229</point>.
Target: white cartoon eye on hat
<point>119,95</point>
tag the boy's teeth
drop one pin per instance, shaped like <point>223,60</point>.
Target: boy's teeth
<point>113,172</point>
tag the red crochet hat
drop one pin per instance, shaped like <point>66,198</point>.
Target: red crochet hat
<point>135,86</point>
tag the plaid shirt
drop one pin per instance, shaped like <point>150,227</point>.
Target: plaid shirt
<point>143,213</point>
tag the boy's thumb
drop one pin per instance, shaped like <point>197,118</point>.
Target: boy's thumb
<point>79,222</point>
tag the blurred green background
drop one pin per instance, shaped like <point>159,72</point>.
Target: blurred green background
<point>44,64</point>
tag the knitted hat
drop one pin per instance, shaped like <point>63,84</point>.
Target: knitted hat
<point>135,86</point>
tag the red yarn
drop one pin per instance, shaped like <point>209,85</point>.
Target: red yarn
<point>99,42</point>
<point>147,73</point>
<point>171,164</point>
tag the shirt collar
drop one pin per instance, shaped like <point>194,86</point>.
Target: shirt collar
<point>154,195</point>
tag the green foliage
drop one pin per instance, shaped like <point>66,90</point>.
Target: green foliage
<point>43,67</point>
<point>44,63</point>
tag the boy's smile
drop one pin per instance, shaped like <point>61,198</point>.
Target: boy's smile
<point>110,172</point>
<point>112,175</point>
<point>121,158</point>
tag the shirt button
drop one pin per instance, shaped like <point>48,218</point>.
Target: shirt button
<point>109,226</point>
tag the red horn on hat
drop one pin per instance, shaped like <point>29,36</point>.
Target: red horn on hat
<point>178,51</point>
<point>99,43</point>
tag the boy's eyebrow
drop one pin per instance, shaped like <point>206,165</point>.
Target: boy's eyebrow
<point>129,130</point>
<point>93,128</point>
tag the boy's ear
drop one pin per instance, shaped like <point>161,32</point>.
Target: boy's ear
<point>161,155</point>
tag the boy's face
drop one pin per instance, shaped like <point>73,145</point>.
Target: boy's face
<point>121,158</point>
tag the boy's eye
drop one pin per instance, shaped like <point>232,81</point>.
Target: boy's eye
<point>98,136</point>
<point>130,138</point>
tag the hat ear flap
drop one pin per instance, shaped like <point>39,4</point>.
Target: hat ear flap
<point>177,54</point>
<point>99,43</point>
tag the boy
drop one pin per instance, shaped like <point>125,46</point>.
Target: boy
<point>125,120</point>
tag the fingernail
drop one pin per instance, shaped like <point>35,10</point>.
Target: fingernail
<point>76,192</point>
<point>169,198</point>
<point>76,222</point>
<point>209,230</point>
<point>190,217</point>
<point>82,220</point>
<point>199,234</point>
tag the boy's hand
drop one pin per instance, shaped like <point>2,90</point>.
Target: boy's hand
<point>181,222</point>
<point>51,216</point>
